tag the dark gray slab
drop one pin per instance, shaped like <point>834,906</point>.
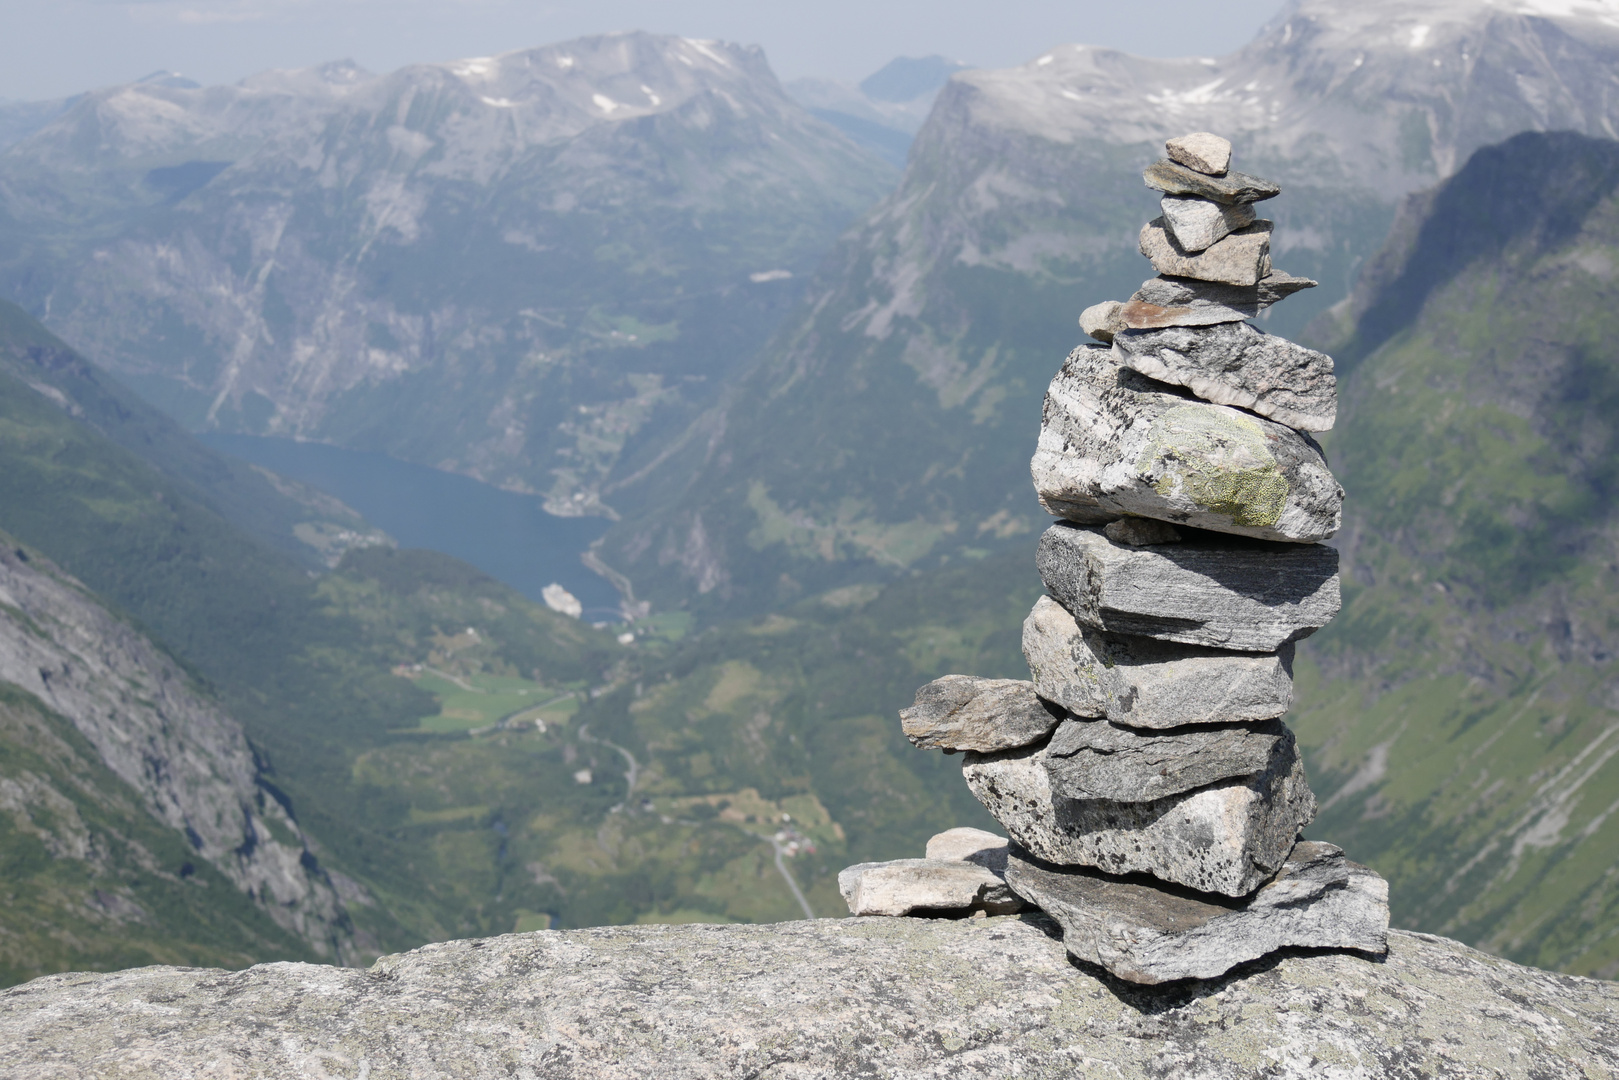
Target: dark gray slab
<point>1213,591</point>
<point>1146,683</point>
<point>1095,759</point>
<point>1233,187</point>
<point>964,712</point>
<point>1146,933</point>
<point>1235,363</point>
<point>1115,443</point>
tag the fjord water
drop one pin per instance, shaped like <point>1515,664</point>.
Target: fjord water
<point>505,534</point>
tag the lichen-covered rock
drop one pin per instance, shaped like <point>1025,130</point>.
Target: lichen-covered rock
<point>904,886</point>
<point>1225,593</point>
<point>1240,258</point>
<point>1147,933</point>
<point>1094,759</point>
<point>1115,443</point>
<point>1235,364</point>
<point>1227,838</point>
<point>964,712</point>
<point>1197,223</point>
<point>906,999</point>
<point>1147,683</point>
<point>1234,187</point>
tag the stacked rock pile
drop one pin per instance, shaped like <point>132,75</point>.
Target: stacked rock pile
<point>1152,792</point>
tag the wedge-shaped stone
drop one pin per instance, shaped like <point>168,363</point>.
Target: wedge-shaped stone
<point>1227,838</point>
<point>1236,364</point>
<point>1242,258</point>
<point>1234,187</point>
<point>1201,151</point>
<point>1172,301</point>
<point>907,886</point>
<point>1114,443</point>
<point>962,712</point>
<point>1214,591</point>
<point>1093,759</point>
<point>1145,932</point>
<point>1146,683</point>
<point>1197,223</point>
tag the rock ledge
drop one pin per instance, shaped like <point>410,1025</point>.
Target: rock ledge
<point>894,997</point>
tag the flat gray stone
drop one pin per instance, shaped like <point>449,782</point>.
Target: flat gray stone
<point>963,712</point>
<point>1241,258</point>
<point>1227,838</point>
<point>1172,301</point>
<point>1198,223</point>
<point>1147,683</point>
<point>1237,364</point>
<point>1234,187</point>
<point>1213,591</point>
<point>1201,151</point>
<point>970,845</point>
<point>1102,321</point>
<point>908,886</point>
<point>968,999</point>
<point>1094,759</point>
<point>1114,443</point>
<point>1143,932</point>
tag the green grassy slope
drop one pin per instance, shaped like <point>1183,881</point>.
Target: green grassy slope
<point>1461,717</point>
<point>90,881</point>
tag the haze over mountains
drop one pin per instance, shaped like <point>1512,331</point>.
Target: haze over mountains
<point>575,244</point>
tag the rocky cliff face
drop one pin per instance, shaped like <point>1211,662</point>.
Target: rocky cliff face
<point>570,245</point>
<point>892,997</point>
<point>189,765</point>
<point>885,424</point>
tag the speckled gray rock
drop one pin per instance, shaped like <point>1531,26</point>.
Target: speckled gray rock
<point>1114,443</point>
<point>904,999</point>
<point>906,886</point>
<point>1197,223</point>
<point>1095,759</point>
<point>1147,683</point>
<point>970,845</point>
<point>1220,592</point>
<point>1234,187</point>
<point>1227,838</point>
<point>1102,321</point>
<point>1147,933</point>
<point>1236,364</point>
<point>1201,151</point>
<point>963,712</point>
<point>1172,301</point>
<point>1241,258</point>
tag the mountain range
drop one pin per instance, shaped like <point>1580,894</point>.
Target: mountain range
<point>576,244</point>
<point>887,425</point>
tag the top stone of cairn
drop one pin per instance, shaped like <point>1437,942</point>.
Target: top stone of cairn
<point>1201,151</point>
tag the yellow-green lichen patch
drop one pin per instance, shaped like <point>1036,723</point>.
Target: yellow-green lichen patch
<point>1218,460</point>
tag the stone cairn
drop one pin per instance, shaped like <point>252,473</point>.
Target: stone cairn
<point>1153,795</point>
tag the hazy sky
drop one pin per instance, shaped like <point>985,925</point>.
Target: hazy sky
<point>50,48</point>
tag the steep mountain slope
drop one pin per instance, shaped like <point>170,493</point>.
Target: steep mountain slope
<point>1461,715</point>
<point>886,109</point>
<point>889,423</point>
<point>105,737</point>
<point>300,521</point>
<point>521,267</point>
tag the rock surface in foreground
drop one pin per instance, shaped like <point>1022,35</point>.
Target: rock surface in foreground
<point>1145,933</point>
<point>898,998</point>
